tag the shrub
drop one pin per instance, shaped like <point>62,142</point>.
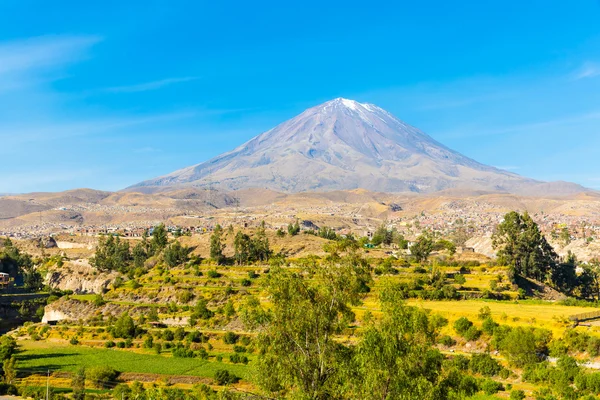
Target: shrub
<point>484,364</point>
<point>489,326</point>
<point>179,333</point>
<point>472,334</point>
<point>447,341</point>
<point>224,377</point>
<point>213,274</point>
<point>184,296</point>
<point>230,338</point>
<point>520,347</point>
<point>491,387</point>
<point>182,352</point>
<point>462,325</point>
<point>168,335</point>
<point>239,349</point>
<point>517,395</point>
<point>101,376</point>
<point>238,358</point>
<point>438,321</point>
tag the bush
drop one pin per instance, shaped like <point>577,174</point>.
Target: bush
<point>239,349</point>
<point>168,335</point>
<point>462,325</point>
<point>517,395</point>
<point>491,387</point>
<point>484,364</point>
<point>230,338</point>
<point>489,326</point>
<point>446,341</point>
<point>238,358</point>
<point>224,377</point>
<point>213,274</point>
<point>101,376</point>
<point>472,334</point>
<point>182,352</point>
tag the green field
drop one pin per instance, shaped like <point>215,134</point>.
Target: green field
<point>43,357</point>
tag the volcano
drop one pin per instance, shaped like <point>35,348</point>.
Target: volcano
<point>342,145</point>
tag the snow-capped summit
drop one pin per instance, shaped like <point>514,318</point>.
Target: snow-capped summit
<point>344,144</point>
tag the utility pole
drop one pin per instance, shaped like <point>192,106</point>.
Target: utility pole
<point>48,386</point>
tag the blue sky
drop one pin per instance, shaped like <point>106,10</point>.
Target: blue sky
<point>106,94</point>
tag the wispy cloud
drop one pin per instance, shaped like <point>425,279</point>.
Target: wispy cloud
<point>587,70</point>
<point>154,85</point>
<point>21,56</point>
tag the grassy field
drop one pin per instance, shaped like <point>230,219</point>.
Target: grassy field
<point>43,356</point>
<point>546,315</point>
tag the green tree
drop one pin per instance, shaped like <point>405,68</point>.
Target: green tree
<point>242,248</point>
<point>395,357</point>
<point>124,327</point>
<point>521,245</point>
<point>160,238</point>
<point>294,229</point>
<point>139,255</point>
<point>216,245</point>
<point>8,347</point>
<point>422,248</point>
<point>78,384</point>
<point>589,280</point>
<point>298,353</point>
<point>10,370</point>
<point>175,254</point>
<point>112,254</point>
<point>520,347</point>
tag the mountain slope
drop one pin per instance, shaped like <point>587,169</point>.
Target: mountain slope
<point>341,145</point>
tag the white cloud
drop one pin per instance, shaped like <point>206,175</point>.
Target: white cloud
<point>587,70</point>
<point>143,87</point>
<point>20,56</point>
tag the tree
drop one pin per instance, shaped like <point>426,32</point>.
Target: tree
<point>519,346</point>
<point>521,245</point>
<point>298,353</point>
<point>395,357</point>
<point>589,280</point>
<point>139,255</point>
<point>460,234</point>
<point>101,376</point>
<point>565,236</point>
<point>10,370</point>
<point>294,229</point>
<point>564,275</point>
<point>216,245</point>
<point>112,254</point>
<point>124,327</point>
<point>260,244</point>
<point>8,347</point>
<point>78,384</point>
<point>175,254</point>
<point>159,238</point>
<point>242,247</point>
<point>422,248</point>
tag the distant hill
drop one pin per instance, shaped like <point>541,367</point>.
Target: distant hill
<point>345,145</point>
